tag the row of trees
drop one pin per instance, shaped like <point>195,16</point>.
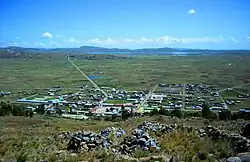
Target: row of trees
<point>11,109</point>
<point>205,113</point>
<point>7,109</point>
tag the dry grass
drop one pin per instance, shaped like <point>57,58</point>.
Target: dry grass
<point>37,138</point>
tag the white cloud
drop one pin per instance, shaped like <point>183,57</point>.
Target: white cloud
<point>174,40</point>
<point>146,39</point>
<point>18,38</point>
<point>164,40</point>
<point>73,40</point>
<point>248,37</point>
<point>110,41</point>
<point>46,35</point>
<point>38,44</point>
<point>98,41</point>
<point>95,41</point>
<point>126,42</point>
<point>168,40</point>
<point>192,12</point>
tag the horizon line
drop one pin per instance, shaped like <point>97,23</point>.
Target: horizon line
<point>178,48</point>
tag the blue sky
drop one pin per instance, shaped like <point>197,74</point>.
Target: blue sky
<point>213,24</point>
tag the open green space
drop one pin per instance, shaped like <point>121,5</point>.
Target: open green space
<point>165,102</point>
<point>243,104</point>
<point>231,93</point>
<point>114,101</point>
<point>125,72</point>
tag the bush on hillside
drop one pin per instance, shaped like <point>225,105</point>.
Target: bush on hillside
<point>177,113</point>
<point>154,112</point>
<point>10,109</point>
<point>207,114</point>
<point>163,111</point>
<point>225,115</point>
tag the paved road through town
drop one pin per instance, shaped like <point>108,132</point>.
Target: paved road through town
<point>150,93</point>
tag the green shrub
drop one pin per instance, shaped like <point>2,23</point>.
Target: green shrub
<point>225,115</point>
<point>163,111</point>
<point>22,158</point>
<point>154,112</point>
<point>203,155</point>
<point>177,113</point>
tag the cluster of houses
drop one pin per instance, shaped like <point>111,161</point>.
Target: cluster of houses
<point>89,101</point>
<point>2,93</point>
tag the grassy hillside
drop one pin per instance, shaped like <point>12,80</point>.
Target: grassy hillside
<point>38,138</point>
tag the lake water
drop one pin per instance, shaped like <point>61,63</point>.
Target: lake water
<point>93,77</point>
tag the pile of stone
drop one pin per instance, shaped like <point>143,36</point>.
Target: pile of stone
<point>117,132</point>
<point>140,139</point>
<point>239,142</point>
<point>156,127</point>
<point>84,140</point>
<point>87,141</point>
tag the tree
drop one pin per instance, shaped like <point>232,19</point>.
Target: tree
<point>60,112</point>
<point>225,115</point>
<point>154,112</point>
<point>17,110</point>
<point>246,131</point>
<point>6,108</point>
<point>206,113</point>
<point>26,113</point>
<point>31,114</point>
<point>125,113</point>
<point>40,109</point>
<point>10,109</point>
<point>163,111</point>
<point>178,113</point>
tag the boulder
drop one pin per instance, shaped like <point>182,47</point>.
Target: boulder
<point>234,159</point>
<point>245,157</point>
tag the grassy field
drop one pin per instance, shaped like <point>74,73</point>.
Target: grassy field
<point>243,104</point>
<point>138,73</point>
<point>38,138</point>
<point>117,101</point>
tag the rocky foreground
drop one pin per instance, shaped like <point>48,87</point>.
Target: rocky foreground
<point>142,138</point>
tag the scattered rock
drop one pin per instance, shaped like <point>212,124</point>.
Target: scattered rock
<point>240,143</point>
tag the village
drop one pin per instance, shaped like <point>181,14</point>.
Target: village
<point>84,101</point>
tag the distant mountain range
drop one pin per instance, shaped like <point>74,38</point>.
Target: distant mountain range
<point>102,50</point>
